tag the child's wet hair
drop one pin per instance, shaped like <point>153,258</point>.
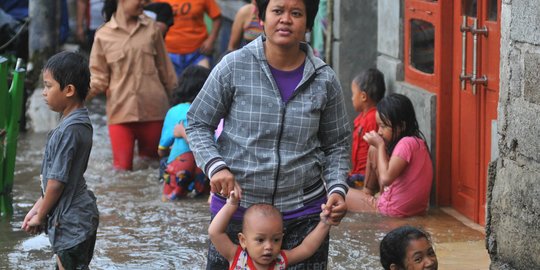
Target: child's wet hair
<point>264,209</point>
<point>397,112</point>
<point>70,68</point>
<point>190,83</point>
<point>393,247</point>
<point>371,81</point>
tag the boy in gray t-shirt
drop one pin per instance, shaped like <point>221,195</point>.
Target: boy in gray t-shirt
<point>66,210</point>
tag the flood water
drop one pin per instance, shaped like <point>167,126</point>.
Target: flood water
<point>139,231</point>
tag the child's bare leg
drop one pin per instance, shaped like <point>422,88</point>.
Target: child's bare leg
<point>59,263</point>
<point>371,180</point>
<point>360,202</point>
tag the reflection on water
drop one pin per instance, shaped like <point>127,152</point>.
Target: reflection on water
<point>139,231</point>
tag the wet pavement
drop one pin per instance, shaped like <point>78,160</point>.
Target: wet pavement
<point>139,231</point>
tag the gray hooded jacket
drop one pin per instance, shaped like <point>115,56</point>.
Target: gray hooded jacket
<point>280,153</point>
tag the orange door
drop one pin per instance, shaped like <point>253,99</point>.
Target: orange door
<point>475,91</point>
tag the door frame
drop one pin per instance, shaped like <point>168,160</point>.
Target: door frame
<point>486,100</point>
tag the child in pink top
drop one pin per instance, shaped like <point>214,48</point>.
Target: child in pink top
<point>400,162</point>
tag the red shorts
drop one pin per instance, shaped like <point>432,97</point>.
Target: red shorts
<point>123,137</point>
<point>182,176</point>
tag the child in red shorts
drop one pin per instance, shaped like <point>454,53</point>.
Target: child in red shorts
<point>181,173</point>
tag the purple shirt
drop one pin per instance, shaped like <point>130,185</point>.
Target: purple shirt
<point>310,208</point>
<point>287,80</point>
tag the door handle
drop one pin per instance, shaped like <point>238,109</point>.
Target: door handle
<point>475,80</point>
<point>464,28</point>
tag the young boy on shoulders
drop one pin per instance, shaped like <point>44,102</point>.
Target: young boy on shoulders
<point>261,238</point>
<point>367,89</point>
<point>66,210</point>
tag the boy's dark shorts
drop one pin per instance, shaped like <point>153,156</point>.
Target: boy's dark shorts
<point>79,256</point>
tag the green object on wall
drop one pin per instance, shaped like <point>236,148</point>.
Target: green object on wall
<point>10,114</point>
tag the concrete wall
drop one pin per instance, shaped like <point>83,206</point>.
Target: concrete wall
<point>425,106</point>
<point>355,42</point>
<point>390,42</point>
<point>513,218</point>
<point>390,62</point>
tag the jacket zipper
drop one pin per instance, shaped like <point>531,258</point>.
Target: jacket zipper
<point>277,152</point>
<point>283,111</point>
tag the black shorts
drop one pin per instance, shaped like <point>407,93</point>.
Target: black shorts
<point>295,232</point>
<point>79,256</point>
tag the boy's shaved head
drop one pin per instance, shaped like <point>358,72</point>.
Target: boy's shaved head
<point>260,209</point>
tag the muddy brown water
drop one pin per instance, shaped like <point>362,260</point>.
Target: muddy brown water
<point>139,231</point>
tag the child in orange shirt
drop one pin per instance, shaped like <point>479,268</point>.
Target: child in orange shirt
<point>367,89</point>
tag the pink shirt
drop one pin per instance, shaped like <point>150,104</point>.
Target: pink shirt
<point>408,195</point>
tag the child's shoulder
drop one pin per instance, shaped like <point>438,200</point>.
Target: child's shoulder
<point>78,117</point>
<point>368,115</point>
<point>411,143</point>
<point>410,139</point>
<point>372,111</point>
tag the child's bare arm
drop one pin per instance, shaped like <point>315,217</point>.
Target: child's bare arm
<point>52,195</point>
<point>388,168</point>
<point>218,226</point>
<point>180,131</point>
<point>311,243</point>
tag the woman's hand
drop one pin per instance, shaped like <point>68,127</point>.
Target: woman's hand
<point>223,183</point>
<point>373,138</point>
<point>335,209</point>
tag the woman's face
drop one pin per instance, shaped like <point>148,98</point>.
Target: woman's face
<point>285,22</point>
<point>420,255</point>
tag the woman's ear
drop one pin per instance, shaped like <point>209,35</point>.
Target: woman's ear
<point>394,267</point>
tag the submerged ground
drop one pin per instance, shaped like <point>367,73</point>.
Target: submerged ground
<point>139,231</point>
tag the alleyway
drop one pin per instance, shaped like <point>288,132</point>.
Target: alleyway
<point>138,231</point>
